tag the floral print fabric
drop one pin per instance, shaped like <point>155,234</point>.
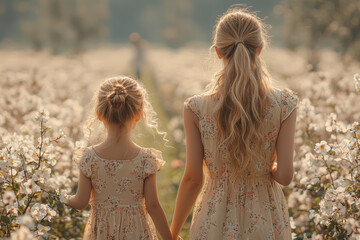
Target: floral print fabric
<point>251,206</point>
<point>117,202</point>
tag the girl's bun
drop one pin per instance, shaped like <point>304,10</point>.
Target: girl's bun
<point>118,96</point>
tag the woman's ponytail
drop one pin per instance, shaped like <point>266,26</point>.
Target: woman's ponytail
<point>242,86</point>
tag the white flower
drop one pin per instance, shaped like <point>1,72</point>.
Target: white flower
<point>326,207</point>
<point>354,154</point>
<point>26,220</point>
<point>85,214</point>
<point>340,208</point>
<point>51,159</point>
<point>51,214</point>
<point>315,236</point>
<point>355,126</point>
<point>322,147</point>
<point>22,202</point>
<point>23,233</point>
<point>64,198</point>
<point>331,122</point>
<point>11,209</point>
<point>306,109</point>
<point>42,174</point>
<point>351,225</point>
<point>39,211</point>
<point>344,197</point>
<point>62,133</point>
<point>20,177</point>
<point>42,230</point>
<point>9,197</point>
<point>30,187</point>
<point>311,214</point>
<point>357,82</point>
<point>292,223</point>
<point>38,176</point>
<point>311,161</point>
<point>14,160</point>
<point>42,115</point>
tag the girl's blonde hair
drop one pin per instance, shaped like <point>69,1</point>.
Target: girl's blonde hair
<point>242,87</point>
<point>120,99</point>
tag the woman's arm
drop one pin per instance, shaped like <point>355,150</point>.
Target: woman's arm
<point>191,182</point>
<point>283,172</point>
<point>81,199</point>
<point>154,208</point>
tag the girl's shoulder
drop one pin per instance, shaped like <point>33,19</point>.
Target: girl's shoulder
<point>84,158</point>
<point>82,153</point>
<point>151,153</point>
<point>153,161</point>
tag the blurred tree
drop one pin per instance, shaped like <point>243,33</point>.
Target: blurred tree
<point>316,23</point>
<point>61,25</point>
<point>64,24</point>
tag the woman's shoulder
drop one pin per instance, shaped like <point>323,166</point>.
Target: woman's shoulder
<point>195,99</point>
<point>283,96</point>
<point>199,103</point>
<point>286,101</point>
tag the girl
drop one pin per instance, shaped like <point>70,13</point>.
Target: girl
<point>234,133</point>
<point>118,176</point>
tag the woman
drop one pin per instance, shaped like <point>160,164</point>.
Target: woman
<point>240,135</point>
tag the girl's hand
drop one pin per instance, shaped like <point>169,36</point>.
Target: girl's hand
<point>177,238</point>
<point>274,168</point>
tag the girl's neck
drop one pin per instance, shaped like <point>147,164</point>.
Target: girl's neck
<point>118,137</point>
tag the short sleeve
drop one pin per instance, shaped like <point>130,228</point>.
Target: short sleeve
<point>193,104</point>
<point>289,102</point>
<point>153,162</point>
<point>83,158</point>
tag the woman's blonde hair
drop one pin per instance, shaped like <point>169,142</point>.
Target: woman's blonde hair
<point>120,99</point>
<point>242,87</point>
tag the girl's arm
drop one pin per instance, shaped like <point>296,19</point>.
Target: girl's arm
<point>154,208</point>
<point>81,199</point>
<point>283,172</point>
<point>191,182</point>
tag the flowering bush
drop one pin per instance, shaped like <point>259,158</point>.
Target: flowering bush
<point>327,181</point>
<point>32,189</point>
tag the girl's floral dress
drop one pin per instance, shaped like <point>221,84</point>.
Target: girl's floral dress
<point>253,205</point>
<point>117,201</point>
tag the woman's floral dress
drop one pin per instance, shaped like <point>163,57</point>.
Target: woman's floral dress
<point>253,206</point>
<point>117,201</point>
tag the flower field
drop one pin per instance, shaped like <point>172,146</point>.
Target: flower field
<point>45,104</point>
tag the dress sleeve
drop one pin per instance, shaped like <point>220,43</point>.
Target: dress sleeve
<point>194,104</point>
<point>153,162</point>
<point>83,159</point>
<point>289,102</point>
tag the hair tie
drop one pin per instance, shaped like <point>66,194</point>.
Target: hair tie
<point>239,41</point>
